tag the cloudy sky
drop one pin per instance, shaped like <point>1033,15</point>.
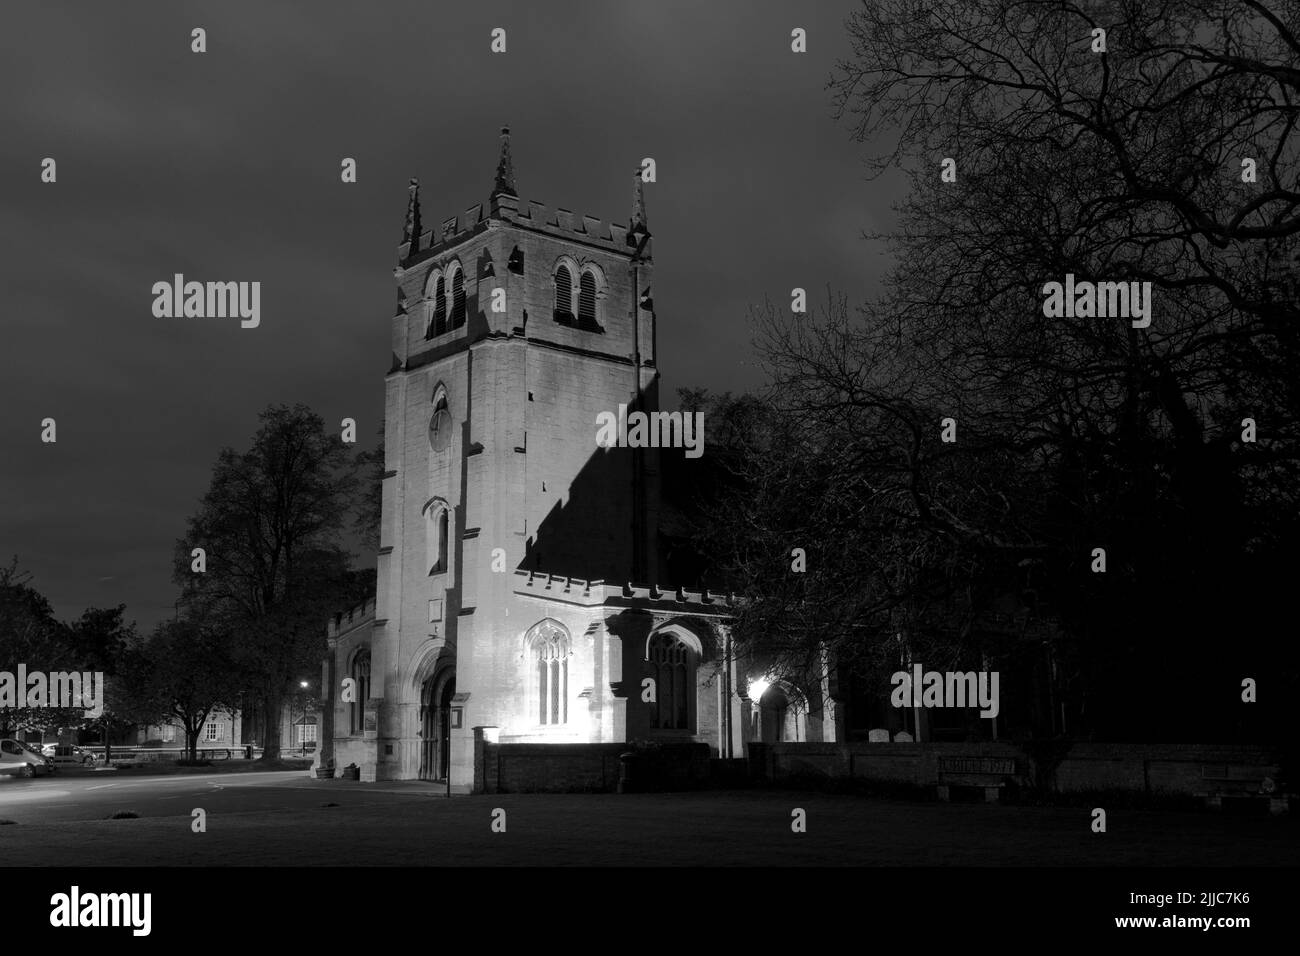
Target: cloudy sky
<point>225,166</point>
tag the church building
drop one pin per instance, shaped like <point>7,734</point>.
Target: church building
<point>520,584</point>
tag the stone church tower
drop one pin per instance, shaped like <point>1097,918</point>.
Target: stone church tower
<point>519,574</point>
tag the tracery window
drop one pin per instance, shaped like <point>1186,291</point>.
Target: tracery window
<point>672,665</point>
<point>548,656</point>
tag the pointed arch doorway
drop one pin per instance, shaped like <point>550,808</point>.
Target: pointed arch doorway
<point>781,715</point>
<point>435,720</point>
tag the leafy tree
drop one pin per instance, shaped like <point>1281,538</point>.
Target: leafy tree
<point>29,634</point>
<point>271,524</point>
<point>130,696</point>
<point>370,467</point>
<point>99,638</point>
<point>184,674</point>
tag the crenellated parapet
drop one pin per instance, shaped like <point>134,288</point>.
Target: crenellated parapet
<point>557,222</point>
<point>565,224</point>
<point>450,232</point>
<point>345,621</point>
<point>649,596</point>
<point>504,207</point>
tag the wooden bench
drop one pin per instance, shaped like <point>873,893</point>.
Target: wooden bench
<point>988,774</point>
<point>1220,782</point>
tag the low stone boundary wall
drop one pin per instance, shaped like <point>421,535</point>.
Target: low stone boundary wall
<point>1153,769</point>
<point>597,768</point>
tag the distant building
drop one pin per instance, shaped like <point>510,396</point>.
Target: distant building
<point>221,729</point>
<point>298,728</point>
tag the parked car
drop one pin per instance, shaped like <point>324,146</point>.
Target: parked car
<point>64,755</point>
<point>20,760</point>
<point>37,749</point>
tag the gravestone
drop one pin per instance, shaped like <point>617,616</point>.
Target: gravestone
<point>902,737</point>
<point>878,736</point>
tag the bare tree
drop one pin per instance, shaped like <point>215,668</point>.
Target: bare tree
<point>1115,158</point>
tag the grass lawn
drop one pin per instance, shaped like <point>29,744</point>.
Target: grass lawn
<point>713,828</point>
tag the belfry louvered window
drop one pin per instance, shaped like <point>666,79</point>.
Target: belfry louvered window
<point>458,299</point>
<point>563,294</point>
<point>587,300</point>
<point>439,323</point>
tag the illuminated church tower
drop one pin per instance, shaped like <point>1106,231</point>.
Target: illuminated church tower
<point>518,574</point>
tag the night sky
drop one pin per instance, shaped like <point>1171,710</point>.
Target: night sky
<point>224,166</point>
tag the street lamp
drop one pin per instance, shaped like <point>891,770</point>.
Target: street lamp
<point>301,722</point>
<point>758,686</point>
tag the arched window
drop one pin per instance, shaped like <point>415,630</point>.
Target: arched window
<point>438,314</point>
<point>548,657</point>
<point>436,528</point>
<point>440,423</point>
<point>361,687</point>
<point>563,294</point>
<point>587,300</point>
<point>458,298</point>
<point>672,665</point>
<point>442,540</point>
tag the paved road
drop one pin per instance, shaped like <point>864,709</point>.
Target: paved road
<point>71,795</point>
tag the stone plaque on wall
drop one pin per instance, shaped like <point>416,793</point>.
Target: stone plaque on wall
<point>1005,766</point>
<point>371,720</point>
